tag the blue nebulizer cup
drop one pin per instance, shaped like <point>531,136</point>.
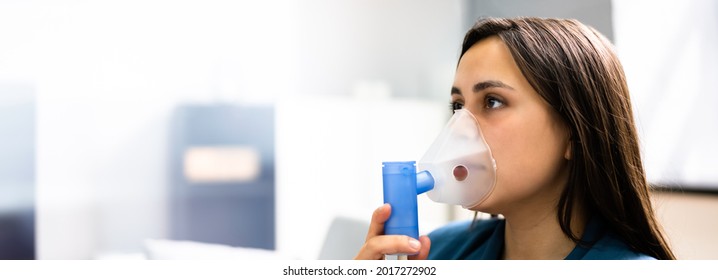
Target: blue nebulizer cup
<point>401,186</point>
<point>458,168</point>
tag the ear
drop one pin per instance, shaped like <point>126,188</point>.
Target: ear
<point>568,155</point>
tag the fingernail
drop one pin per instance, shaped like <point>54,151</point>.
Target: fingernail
<point>414,244</point>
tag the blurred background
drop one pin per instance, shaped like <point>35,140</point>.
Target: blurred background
<point>256,129</point>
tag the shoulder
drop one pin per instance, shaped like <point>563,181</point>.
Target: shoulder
<point>464,228</point>
<point>462,240</point>
<point>611,247</point>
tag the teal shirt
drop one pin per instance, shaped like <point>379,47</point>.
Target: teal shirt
<point>485,241</point>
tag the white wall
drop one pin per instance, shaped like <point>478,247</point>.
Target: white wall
<point>108,76</point>
<point>668,50</point>
<point>411,44</point>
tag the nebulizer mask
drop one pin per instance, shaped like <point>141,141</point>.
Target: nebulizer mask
<point>460,163</point>
<point>457,169</point>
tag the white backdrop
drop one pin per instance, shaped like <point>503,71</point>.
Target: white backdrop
<point>668,50</point>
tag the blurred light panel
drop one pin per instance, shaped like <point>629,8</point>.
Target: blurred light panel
<point>221,164</point>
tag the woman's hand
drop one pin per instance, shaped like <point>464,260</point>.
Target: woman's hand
<point>377,245</point>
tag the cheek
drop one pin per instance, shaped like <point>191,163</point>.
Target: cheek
<point>516,158</point>
<point>528,156</point>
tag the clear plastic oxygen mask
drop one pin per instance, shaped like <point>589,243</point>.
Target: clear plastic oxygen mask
<point>460,163</point>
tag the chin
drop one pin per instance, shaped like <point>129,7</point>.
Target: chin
<point>487,206</point>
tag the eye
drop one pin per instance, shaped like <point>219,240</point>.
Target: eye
<point>493,102</point>
<point>455,106</point>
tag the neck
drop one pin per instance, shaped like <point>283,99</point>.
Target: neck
<point>533,232</point>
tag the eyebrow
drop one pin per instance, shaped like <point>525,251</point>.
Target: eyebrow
<point>484,85</point>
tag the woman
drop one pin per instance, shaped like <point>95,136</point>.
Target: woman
<point>551,99</point>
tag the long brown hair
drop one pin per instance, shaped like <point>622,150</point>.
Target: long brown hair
<point>575,69</point>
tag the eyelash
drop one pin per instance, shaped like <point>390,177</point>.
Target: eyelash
<point>491,98</point>
<point>454,105</point>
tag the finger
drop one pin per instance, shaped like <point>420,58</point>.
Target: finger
<point>376,226</point>
<point>425,247</point>
<point>378,246</point>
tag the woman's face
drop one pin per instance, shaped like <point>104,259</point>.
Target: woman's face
<point>526,136</point>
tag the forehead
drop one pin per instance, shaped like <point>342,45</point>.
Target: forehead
<point>489,59</point>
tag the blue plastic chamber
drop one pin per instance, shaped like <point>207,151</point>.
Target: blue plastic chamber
<point>401,187</point>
